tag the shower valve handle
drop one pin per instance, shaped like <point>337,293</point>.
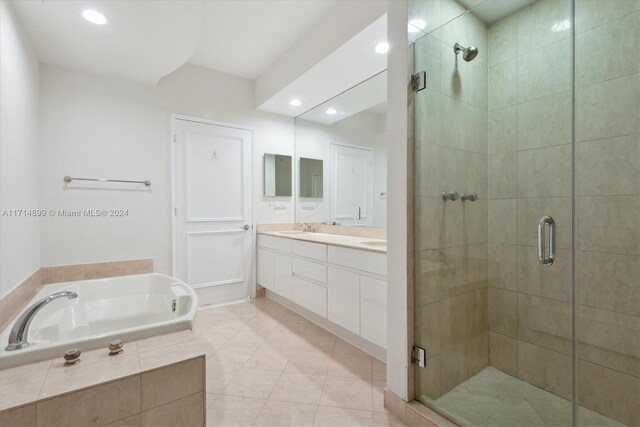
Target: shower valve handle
<point>453,195</point>
<point>472,197</point>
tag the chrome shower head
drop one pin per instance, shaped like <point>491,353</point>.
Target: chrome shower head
<point>468,53</point>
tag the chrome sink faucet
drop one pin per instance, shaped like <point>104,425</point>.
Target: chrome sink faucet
<point>20,330</point>
<point>305,227</point>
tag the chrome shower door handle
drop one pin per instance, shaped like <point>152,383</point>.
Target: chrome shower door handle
<point>542,250</point>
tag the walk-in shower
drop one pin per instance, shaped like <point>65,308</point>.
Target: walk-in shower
<point>527,300</point>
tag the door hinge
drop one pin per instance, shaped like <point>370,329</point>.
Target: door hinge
<point>419,356</point>
<point>175,138</point>
<point>419,81</point>
<point>175,211</point>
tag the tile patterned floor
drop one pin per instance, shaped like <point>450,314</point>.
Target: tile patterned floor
<point>493,398</point>
<point>270,367</point>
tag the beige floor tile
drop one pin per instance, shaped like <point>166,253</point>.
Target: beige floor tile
<point>386,419</point>
<point>343,347</point>
<point>277,413</point>
<point>247,338</point>
<point>283,339</point>
<point>378,396</point>
<point>347,393</point>
<point>234,411</point>
<point>324,344</point>
<point>299,388</point>
<point>274,359</point>
<point>308,362</point>
<point>379,370</point>
<point>314,329</point>
<point>218,377</point>
<point>211,397</point>
<point>256,383</point>
<point>218,336</point>
<point>352,366</point>
<point>331,416</point>
<point>230,356</point>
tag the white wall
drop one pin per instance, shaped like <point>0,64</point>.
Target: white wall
<point>19,184</point>
<point>397,247</point>
<point>97,127</point>
<point>312,141</point>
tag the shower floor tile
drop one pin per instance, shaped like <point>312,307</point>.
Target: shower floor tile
<point>493,398</point>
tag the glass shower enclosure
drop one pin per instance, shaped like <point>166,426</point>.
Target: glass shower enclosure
<point>527,210</point>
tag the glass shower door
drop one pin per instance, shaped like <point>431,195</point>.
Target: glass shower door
<point>495,322</point>
<point>607,143</point>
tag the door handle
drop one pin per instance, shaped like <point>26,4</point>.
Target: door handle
<point>542,250</point>
<point>246,227</point>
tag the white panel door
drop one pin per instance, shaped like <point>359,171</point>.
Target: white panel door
<point>351,177</point>
<point>213,237</point>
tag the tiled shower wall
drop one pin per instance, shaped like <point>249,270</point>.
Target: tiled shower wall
<point>451,237</point>
<point>530,176</point>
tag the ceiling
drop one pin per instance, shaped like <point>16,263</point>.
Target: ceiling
<point>147,40</point>
<point>243,38</point>
<point>370,95</point>
<point>347,66</point>
<point>490,11</point>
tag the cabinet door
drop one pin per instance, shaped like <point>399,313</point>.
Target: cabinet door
<point>309,295</point>
<point>265,269</point>
<point>343,299</point>
<point>282,275</point>
<point>373,310</point>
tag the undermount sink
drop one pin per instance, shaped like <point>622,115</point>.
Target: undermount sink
<point>294,232</point>
<point>374,243</point>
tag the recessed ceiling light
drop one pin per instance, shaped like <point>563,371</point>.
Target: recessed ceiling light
<point>416,25</point>
<point>94,17</point>
<point>331,111</point>
<point>295,102</point>
<point>382,48</point>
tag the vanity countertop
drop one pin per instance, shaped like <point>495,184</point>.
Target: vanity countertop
<point>363,243</point>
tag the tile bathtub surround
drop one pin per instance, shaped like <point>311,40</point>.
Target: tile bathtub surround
<point>171,395</point>
<point>99,270</point>
<point>35,382</point>
<point>14,301</point>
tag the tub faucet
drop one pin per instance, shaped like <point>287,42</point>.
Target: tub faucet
<point>20,330</point>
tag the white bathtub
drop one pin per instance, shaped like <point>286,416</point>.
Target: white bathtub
<point>126,307</point>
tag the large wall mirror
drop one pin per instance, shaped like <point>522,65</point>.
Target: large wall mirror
<point>341,158</point>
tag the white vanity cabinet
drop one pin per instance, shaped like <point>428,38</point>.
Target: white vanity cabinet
<point>343,285</point>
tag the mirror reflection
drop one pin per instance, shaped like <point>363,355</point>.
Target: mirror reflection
<point>341,151</point>
<point>277,175</point>
<point>311,177</point>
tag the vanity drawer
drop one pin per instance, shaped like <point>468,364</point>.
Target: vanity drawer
<point>366,261</point>
<point>317,251</point>
<point>309,295</point>
<point>310,270</point>
<point>275,243</point>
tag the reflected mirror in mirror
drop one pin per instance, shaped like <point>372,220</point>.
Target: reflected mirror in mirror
<point>311,176</point>
<point>277,175</point>
<point>341,154</point>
